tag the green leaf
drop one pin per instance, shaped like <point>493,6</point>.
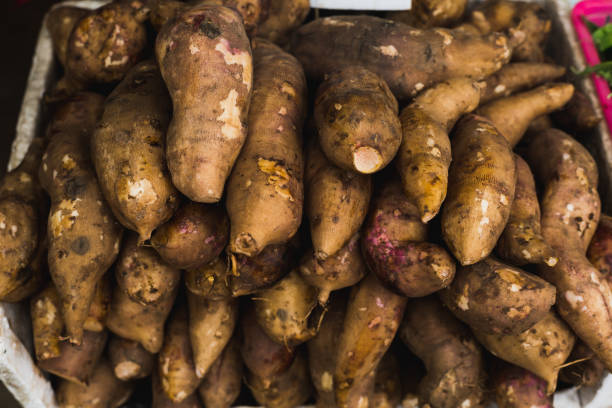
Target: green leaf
<point>602,37</point>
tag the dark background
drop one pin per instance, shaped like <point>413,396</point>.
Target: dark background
<point>19,25</point>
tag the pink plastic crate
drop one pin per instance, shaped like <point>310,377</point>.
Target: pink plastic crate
<point>597,11</point>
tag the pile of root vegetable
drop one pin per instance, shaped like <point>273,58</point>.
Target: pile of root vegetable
<point>230,204</point>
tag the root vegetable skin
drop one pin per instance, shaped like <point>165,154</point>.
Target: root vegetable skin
<point>431,13</point>
<point>129,360</point>
<point>21,198</point>
<point>587,372</point>
<point>264,357</point>
<point>480,190</point>
<point>425,153</point>
<point>287,390</point>
<point>283,17</point>
<point>542,349</point>
<point>107,42</point>
<point>77,363</point>
<point>578,116</point>
<point>570,213</point>
<point>204,139</point>
<point>252,274</point>
<point>265,191</point>
<point>176,367</point>
<point>336,202</point>
<point>453,359</point>
<point>222,385</point>
<point>104,390</point>
<point>387,383</point>
<point>521,242</point>
<point>513,114</point>
<point>128,151</point>
<point>99,306</point>
<point>366,334</point>
<point>209,281</point>
<point>133,314</point>
<point>341,270</point>
<point>518,76</point>
<point>34,276</point>
<point>285,310</point>
<point>493,297</point>
<point>60,22</point>
<point>387,48</point>
<point>323,350</point>
<point>393,249</point>
<point>600,249</point>
<point>516,387</point>
<point>194,236</point>
<point>47,323</point>
<point>160,400</point>
<point>83,234</point>
<point>356,117</point>
<point>211,325</point>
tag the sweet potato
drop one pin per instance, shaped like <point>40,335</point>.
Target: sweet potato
<point>251,11</point>
<point>521,242</point>
<point>542,349</point>
<point>103,390</point>
<point>287,390</point>
<point>143,297</point>
<point>387,383</point>
<point>570,212</point>
<point>336,202</point>
<point>176,367</point>
<point>431,13</point>
<point>600,248</point>
<point>107,42</point>
<point>493,297</point>
<point>265,191</point>
<point>323,350</point>
<point>222,385</point>
<point>373,315</point>
<point>408,59</point>
<point>129,360</point>
<point>76,363</point>
<point>283,17</point>
<point>60,23</point>
<point>21,196</point>
<point>209,281</point>
<point>82,232</point>
<point>248,275</point>
<point>285,310</point>
<point>425,153</point>
<point>582,368</point>
<point>47,323</point>
<point>525,20</point>
<point>264,357</point>
<point>480,190</point>
<point>513,114</point>
<point>128,151</point>
<point>356,118</point>
<point>518,76</point>
<point>453,359</point>
<point>515,387</point>
<point>393,248</point>
<point>194,236</point>
<point>208,126</point>
<point>100,305</point>
<point>35,275</point>
<point>343,269</point>
<point>578,116</point>
<point>211,325</point>
<point>160,400</point>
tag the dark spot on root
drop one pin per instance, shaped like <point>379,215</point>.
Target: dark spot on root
<point>428,52</point>
<point>74,188</point>
<point>282,314</point>
<point>335,219</point>
<point>80,245</point>
<point>209,29</point>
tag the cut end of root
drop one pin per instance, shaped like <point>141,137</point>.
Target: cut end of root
<point>244,244</point>
<point>323,296</point>
<point>320,255</point>
<point>551,261</point>
<point>127,370</point>
<point>367,159</point>
<point>426,217</point>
